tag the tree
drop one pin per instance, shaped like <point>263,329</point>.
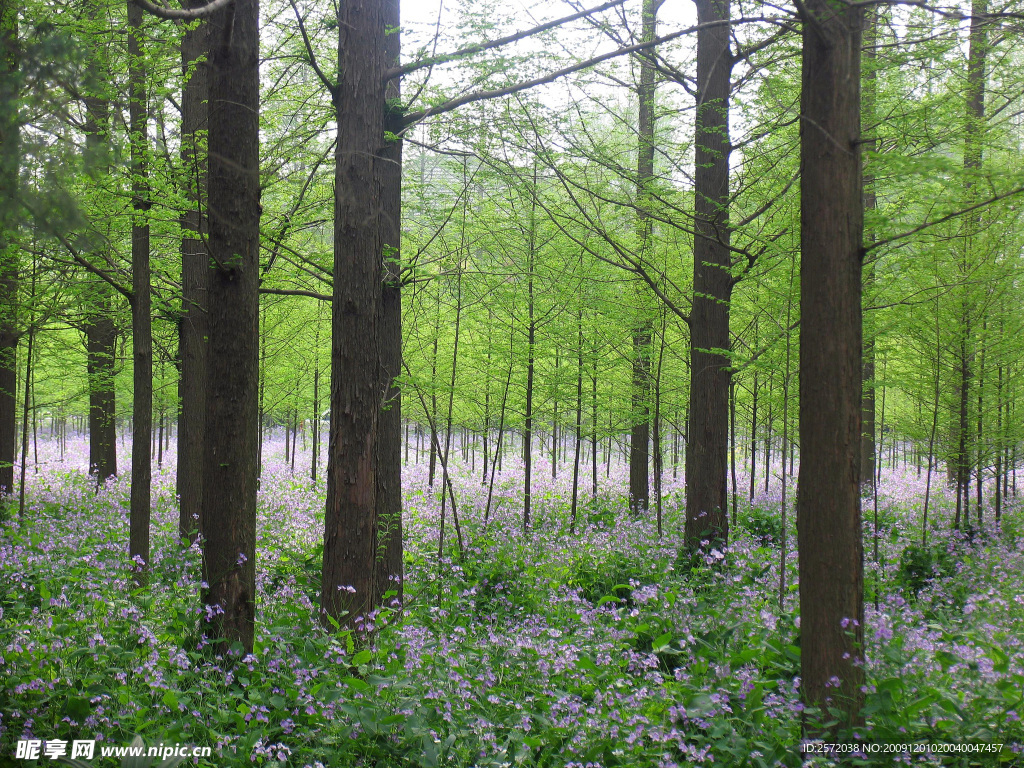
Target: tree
<point>353,460</point>
<point>195,275</point>
<point>142,334</point>
<point>10,160</point>
<point>708,436</point>
<point>831,241</point>
<point>640,432</point>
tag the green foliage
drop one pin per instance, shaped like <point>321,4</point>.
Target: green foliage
<point>920,565</point>
<point>764,525</point>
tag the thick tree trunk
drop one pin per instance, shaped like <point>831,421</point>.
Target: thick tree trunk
<point>707,507</point>
<point>10,160</point>
<point>357,397</point>
<point>231,436</point>
<point>831,240</point>
<point>142,337</point>
<point>100,339</point>
<point>390,567</point>
<point>100,331</point>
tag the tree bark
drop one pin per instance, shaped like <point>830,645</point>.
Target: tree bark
<point>99,327</point>
<point>195,275</point>
<point>831,239</point>
<point>10,161</point>
<point>867,463</point>
<point>390,571</point>
<point>142,336</point>
<point>707,507</point>
<point>357,397</point>
<point>100,340</point>
<point>640,428</point>
<point>231,435</point>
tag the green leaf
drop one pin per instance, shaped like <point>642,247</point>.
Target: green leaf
<point>358,685</point>
<point>661,643</point>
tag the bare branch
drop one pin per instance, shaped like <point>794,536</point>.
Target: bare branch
<point>175,14</point>
<point>331,87</point>
<point>478,47</point>
<point>941,219</point>
<point>469,98</point>
<point>295,292</point>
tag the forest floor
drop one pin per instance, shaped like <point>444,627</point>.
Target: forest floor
<point>589,648</point>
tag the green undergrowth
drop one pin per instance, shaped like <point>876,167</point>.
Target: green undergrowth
<point>604,647</point>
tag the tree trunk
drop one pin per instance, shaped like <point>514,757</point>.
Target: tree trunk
<point>640,427</point>
<point>831,240</point>
<point>531,337</point>
<point>579,423</point>
<point>315,423</point>
<point>28,384</point>
<point>231,440</point>
<point>195,278</point>
<point>753,439</point>
<point>867,461</point>
<point>142,337</point>
<point>100,331</point>
<point>707,510</point>
<point>10,161</point>
<point>390,567</point>
<point>100,339</point>
<point>357,394</point>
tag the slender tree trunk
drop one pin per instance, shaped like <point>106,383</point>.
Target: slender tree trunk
<point>831,236</point>
<point>496,461</point>
<point>579,422</point>
<point>294,415</point>
<point>195,278</point>
<point>732,449</point>
<point>554,424</point>
<point>432,416</point>
<point>935,422</point>
<point>531,337</point>
<point>769,422</point>
<point>315,423</point>
<point>161,423</point>
<point>593,435</point>
<point>999,443</point>
<point>979,477</point>
<point>639,438</point>
<point>232,432</point>
<point>142,337</point>
<point>28,379</point>
<point>451,396</point>
<point>753,439</point>
<point>784,538</point>
<point>657,429</point>
<point>487,397</point>
<point>707,503</point>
